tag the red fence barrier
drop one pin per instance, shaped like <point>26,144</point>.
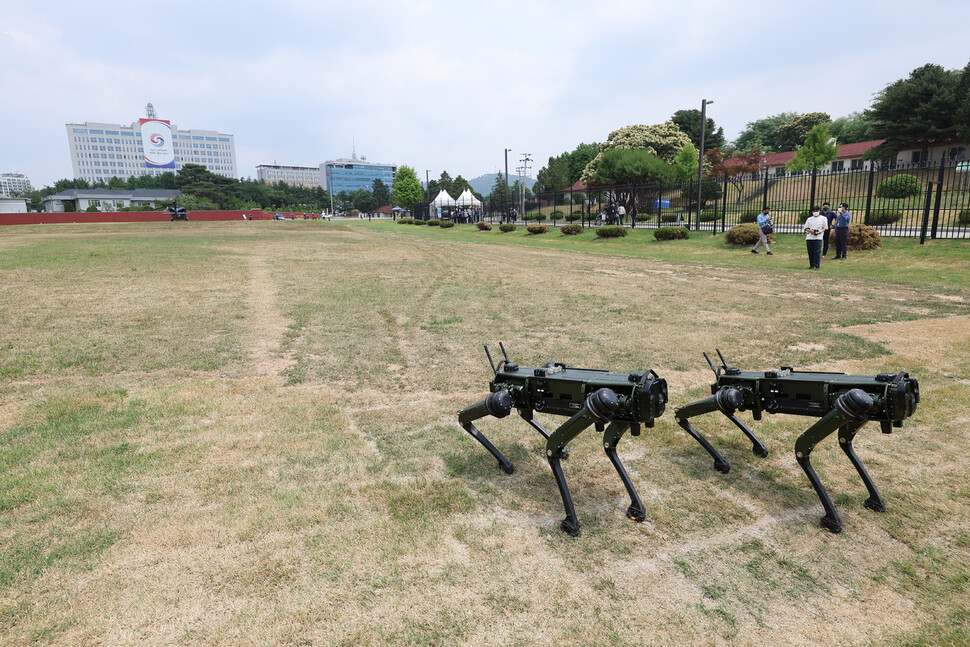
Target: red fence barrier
<point>135,216</point>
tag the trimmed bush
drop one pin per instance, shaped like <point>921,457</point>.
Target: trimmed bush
<point>860,237</point>
<point>506,227</point>
<point>668,217</point>
<point>644,217</point>
<point>750,216</point>
<point>557,214</point>
<point>571,230</point>
<point>529,217</point>
<point>573,217</point>
<point>744,234</point>
<point>418,221</point>
<point>899,186</point>
<point>611,231</point>
<point>405,221</point>
<point>709,216</point>
<point>671,233</point>
<point>434,222</point>
<point>445,224</point>
<point>804,215</point>
<point>536,228</point>
<point>483,226</point>
<point>884,216</point>
<point>964,217</point>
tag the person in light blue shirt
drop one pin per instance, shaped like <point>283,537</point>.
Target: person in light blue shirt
<point>842,221</point>
<point>764,220</point>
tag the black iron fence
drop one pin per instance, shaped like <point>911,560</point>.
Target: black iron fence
<point>920,200</point>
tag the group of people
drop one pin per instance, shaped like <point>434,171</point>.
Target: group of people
<point>817,228</point>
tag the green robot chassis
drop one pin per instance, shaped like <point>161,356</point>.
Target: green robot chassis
<point>611,402</point>
<point>843,402</point>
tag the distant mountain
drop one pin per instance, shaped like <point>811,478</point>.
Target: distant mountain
<point>483,183</point>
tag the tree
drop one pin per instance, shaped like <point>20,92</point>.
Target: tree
<point>407,188</point>
<point>458,185</point>
<point>382,196</point>
<point>763,133</point>
<point>733,166</point>
<point>817,151</point>
<point>689,121</point>
<point>445,183</point>
<point>554,176</point>
<point>662,140</point>
<point>631,166</point>
<point>497,198</point>
<point>685,164</point>
<point>852,128</point>
<point>577,160</point>
<point>963,100</point>
<point>921,109</point>
<point>792,134</point>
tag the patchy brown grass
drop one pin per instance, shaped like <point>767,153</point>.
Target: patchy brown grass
<point>265,451</point>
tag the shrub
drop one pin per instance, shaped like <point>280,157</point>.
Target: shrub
<point>573,217</point>
<point>434,222</point>
<point>744,234</point>
<point>445,224</point>
<point>668,217</point>
<point>484,226</point>
<point>804,215</point>
<point>405,221</point>
<point>884,216</point>
<point>708,216</point>
<point>860,237</point>
<point>418,221</point>
<point>559,214</point>
<point>964,217</point>
<point>507,227</point>
<point>750,216</point>
<point>528,217</point>
<point>536,228</point>
<point>611,231</point>
<point>899,186</point>
<point>571,230</point>
<point>671,233</point>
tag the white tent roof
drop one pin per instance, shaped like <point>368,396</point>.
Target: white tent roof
<point>468,199</point>
<point>443,200</point>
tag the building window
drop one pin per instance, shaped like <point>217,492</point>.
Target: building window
<point>958,153</point>
<point>917,157</point>
<point>780,171</point>
<point>838,166</point>
<point>855,164</point>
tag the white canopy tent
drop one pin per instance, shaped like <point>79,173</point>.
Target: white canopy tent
<point>468,199</point>
<point>443,200</point>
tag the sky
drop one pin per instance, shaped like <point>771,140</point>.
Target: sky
<point>444,86</point>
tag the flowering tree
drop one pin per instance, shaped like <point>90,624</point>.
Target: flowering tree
<point>663,140</point>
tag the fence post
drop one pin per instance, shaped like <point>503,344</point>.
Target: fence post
<point>723,208</point>
<point>764,202</point>
<point>811,200</point>
<point>926,213</point>
<point>872,178</point>
<point>690,192</point>
<point>939,198</point>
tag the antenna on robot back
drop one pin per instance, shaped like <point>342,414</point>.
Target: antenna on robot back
<point>150,111</point>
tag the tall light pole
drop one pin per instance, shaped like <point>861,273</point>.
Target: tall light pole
<point>427,189</point>
<point>525,172</point>
<point>507,213</point>
<point>700,160</point>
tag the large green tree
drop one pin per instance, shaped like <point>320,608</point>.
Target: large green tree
<point>689,121</point>
<point>407,188</point>
<point>554,176</point>
<point>685,164</point>
<point>764,133</point>
<point>852,128</point>
<point>382,195</point>
<point>662,140</point>
<point>963,101</point>
<point>793,134</point>
<point>817,151</point>
<point>920,109</point>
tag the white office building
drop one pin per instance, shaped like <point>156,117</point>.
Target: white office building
<point>14,184</point>
<point>306,176</point>
<point>101,151</point>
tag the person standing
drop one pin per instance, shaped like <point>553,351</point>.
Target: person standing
<point>764,223</point>
<point>829,216</point>
<point>621,212</point>
<point>816,228</point>
<point>842,220</point>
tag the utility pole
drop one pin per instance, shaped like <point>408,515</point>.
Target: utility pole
<point>700,160</point>
<point>525,173</point>
<point>507,210</point>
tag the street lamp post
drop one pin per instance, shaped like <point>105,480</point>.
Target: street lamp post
<point>700,161</point>
<point>506,205</point>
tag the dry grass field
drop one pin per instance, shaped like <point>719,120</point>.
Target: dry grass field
<point>245,434</point>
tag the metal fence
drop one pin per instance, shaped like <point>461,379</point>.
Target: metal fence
<point>936,203</point>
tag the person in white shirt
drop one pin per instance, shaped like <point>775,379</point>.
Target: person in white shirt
<point>816,228</point>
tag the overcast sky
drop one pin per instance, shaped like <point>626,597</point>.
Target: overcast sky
<point>444,85</point>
